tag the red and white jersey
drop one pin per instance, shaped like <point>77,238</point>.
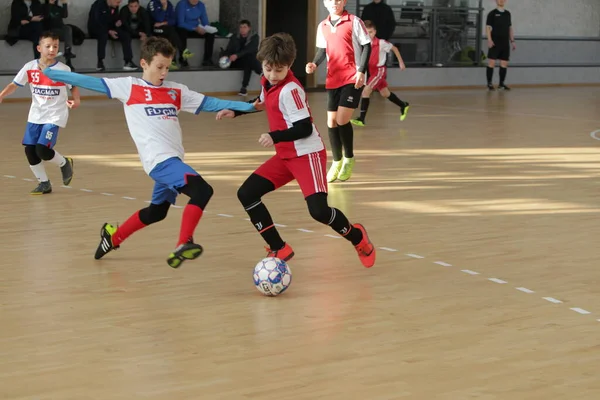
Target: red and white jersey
<point>343,44</point>
<point>48,98</point>
<point>379,50</point>
<point>286,103</point>
<point>152,116</point>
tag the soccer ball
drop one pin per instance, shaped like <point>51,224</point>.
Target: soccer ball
<point>224,62</point>
<point>272,276</point>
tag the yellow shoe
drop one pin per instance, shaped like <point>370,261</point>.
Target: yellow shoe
<point>347,167</point>
<point>404,111</point>
<point>357,122</point>
<point>334,171</point>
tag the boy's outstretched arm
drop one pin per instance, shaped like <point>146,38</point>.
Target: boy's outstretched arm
<point>399,57</point>
<point>8,90</point>
<point>212,104</point>
<point>78,80</point>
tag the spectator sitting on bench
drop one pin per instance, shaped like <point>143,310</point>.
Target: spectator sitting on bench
<point>164,24</point>
<point>26,23</point>
<point>136,20</point>
<point>54,13</point>
<point>104,23</point>
<point>192,21</point>
<point>241,50</point>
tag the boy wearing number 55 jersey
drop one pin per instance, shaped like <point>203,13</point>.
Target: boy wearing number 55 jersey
<point>48,113</point>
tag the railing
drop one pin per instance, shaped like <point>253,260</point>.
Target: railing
<point>454,36</point>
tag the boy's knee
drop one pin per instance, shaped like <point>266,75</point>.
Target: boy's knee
<point>44,152</point>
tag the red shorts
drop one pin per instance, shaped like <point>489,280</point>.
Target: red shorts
<point>308,170</point>
<point>377,80</point>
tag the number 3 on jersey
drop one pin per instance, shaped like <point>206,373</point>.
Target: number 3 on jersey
<point>148,95</point>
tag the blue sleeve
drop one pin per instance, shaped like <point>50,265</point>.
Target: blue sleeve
<point>78,80</point>
<point>203,15</point>
<point>181,22</point>
<point>212,104</point>
<point>171,18</point>
<point>158,15</point>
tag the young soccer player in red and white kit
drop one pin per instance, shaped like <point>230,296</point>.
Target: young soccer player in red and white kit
<point>300,154</point>
<point>152,106</point>
<point>343,39</point>
<point>49,112</point>
<point>377,74</point>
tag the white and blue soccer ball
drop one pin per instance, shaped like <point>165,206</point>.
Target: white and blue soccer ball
<point>272,276</point>
<point>224,62</point>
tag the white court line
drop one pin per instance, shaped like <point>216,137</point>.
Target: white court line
<point>468,271</point>
<point>280,225</point>
<point>414,255</point>
<point>525,290</point>
<point>388,249</point>
<point>443,264</point>
<point>148,201</point>
<point>580,310</point>
<point>594,135</point>
<point>545,116</point>
<point>28,179</point>
<point>66,187</point>
<point>10,176</point>
<point>552,300</point>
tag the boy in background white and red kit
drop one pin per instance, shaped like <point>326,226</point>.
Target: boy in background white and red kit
<point>49,112</point>
<point>343,39</point>
<point>377,76</point>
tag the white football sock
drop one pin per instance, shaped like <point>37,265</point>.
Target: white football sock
<point>40,172</point>
<point>58,159</point>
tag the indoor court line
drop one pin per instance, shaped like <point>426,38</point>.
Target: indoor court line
<point>496,280</point>
<point>521,114</point>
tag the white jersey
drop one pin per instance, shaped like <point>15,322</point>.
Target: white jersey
<point>152,116</point>
<point>48,98</point>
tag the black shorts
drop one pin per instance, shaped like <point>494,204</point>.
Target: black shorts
<point>500,51</point>
<point>344,96</point>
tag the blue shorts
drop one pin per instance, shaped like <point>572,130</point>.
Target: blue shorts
<point>169,176</point>
<point>46,134</point>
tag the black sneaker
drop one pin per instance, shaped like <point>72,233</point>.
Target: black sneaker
<point>100,66</point>
<point>243,92</point>
<point>106,244</point>
<point>502,86</point>
<point>130,66</point>
<point>186,251</point>
<point>42,188</point>
<point>491,87</point>
<point>67,171</point>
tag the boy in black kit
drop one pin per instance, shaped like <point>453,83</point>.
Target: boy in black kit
<point>500,36</point>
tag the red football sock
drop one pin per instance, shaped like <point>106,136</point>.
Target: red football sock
<point>132,225</point>
<point>191,216</point>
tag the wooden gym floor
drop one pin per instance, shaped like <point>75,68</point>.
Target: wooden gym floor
<point>484,207</point>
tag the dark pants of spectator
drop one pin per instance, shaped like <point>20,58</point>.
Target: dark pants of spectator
<point>209,41</point>
<point>247,63</point>
<point>122,36</point>
<point>32,32</point>
<point>170,33</point>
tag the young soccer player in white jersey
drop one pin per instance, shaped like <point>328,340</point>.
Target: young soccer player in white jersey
<point>152,106</point>
<point>48,113</point>
<point>343,39</point>
<point>377,74</point>
<point>300,154</point>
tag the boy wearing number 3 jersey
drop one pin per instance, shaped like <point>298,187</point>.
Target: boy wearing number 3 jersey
<point>48,113</point>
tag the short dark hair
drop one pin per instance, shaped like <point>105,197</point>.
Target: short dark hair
<point>133,1</point>
<point>245,22</point>
<point>49,35</point>
<point>156,45</point>
<point>370,24</point>
<point>278,50</point>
